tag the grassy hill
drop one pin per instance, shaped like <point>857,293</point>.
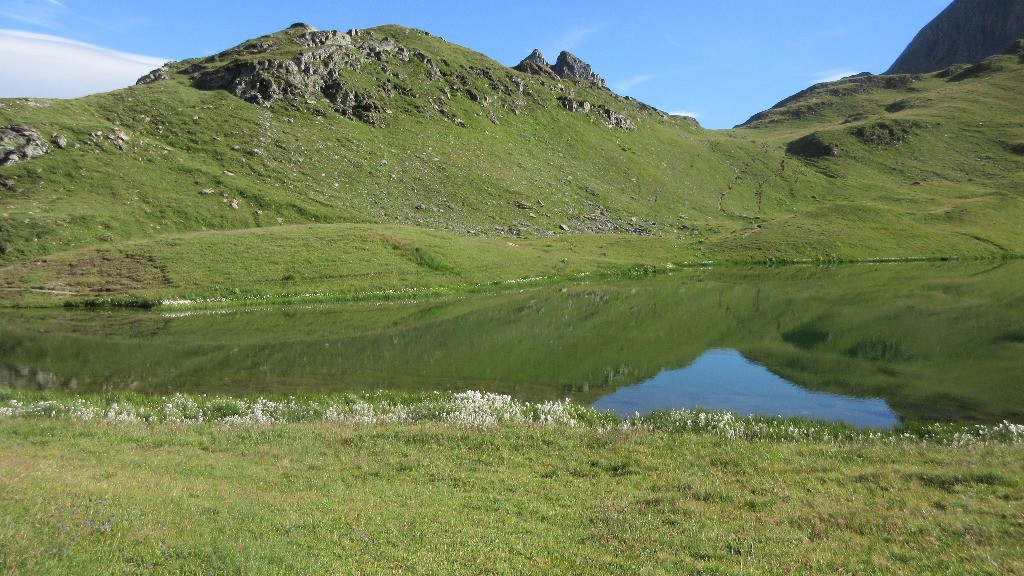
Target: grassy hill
<point>316,161</point>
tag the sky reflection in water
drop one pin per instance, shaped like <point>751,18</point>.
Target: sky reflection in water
<point>725,380</point>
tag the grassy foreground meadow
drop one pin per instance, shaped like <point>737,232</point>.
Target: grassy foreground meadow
<point>479,484</point>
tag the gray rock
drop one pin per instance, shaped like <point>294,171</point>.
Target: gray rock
<point>60,141</point>
<point>536,65</point>
<point>315,38</point>
<point>966,32</point>
<point>616,120</point>
<point>19,143</point>
<point>158,75</point>
<point>568,67</point>
<point>317,73</point>
<point>575,105</point>
<point>572,68</point>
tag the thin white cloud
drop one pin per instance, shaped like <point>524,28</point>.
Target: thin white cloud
<point>44,66</point>
<point>623,86</point>
<point>572,40</point>
<point>43,13</point>
<point>685,113</point>
<point>578,36</point>
<point>832,75</point>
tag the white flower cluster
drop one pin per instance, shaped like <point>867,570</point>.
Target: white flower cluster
<point>483,410</point>
<point>732,427</point>
<point>1004,432</point>
<point>465,409</point>
<point>367,414</point>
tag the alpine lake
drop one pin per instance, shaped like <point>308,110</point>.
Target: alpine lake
<point>872,345</point>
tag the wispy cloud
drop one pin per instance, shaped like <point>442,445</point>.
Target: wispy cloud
<point>42,13</point>
<point>44,66</point>
<point>572,40</point>
<point>623,86</point>
<point>832,75</point>
<point>578,36</point>
<point>685,113</point>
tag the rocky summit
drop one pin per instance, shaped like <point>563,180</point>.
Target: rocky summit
<point>966,32</point>
<point>361,74</point>
<point>536,64</point>
<point>567,66</point>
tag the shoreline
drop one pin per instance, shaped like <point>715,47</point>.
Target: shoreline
<point>412,293</point>
<point>470,410</point>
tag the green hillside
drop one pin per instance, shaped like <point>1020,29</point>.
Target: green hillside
<point>390,159</point>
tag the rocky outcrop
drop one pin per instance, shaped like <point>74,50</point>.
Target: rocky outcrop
<point>366,75</point>
<point>571,67</point>
<point>317,72</point>
<point>158,75</point>
<point>536,65</point>
<point>19,143</point>
<point>616,120</point>
<point>567,66</point>
<point>966,32</point>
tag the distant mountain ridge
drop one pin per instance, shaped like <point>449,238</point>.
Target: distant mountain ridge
<point>966,32</point>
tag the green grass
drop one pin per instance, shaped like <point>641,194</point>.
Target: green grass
<point>518,499</point>
<point>343,261</point>
<point>925,167</point>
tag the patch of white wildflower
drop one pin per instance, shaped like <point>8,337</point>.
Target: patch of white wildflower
<point>476,410</point>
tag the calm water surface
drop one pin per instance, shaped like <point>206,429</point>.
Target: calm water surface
<point>862,344</point>
<point>725,380</point>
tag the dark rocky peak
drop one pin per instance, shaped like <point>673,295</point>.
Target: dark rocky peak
<point>537,58</point>
<point>568,66</point>
<point>966,32</point>
<point>536,65</point>
<point>571,67</point>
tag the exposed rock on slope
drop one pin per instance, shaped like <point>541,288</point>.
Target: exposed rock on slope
<point>19,143</point>
<point>966,32</point>
<point>369,75</point>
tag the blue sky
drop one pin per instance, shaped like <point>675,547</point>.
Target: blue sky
<point>720,60</point>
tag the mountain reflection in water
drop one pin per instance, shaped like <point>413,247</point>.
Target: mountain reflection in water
<point>725,380</point>
<point>939,342</point>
